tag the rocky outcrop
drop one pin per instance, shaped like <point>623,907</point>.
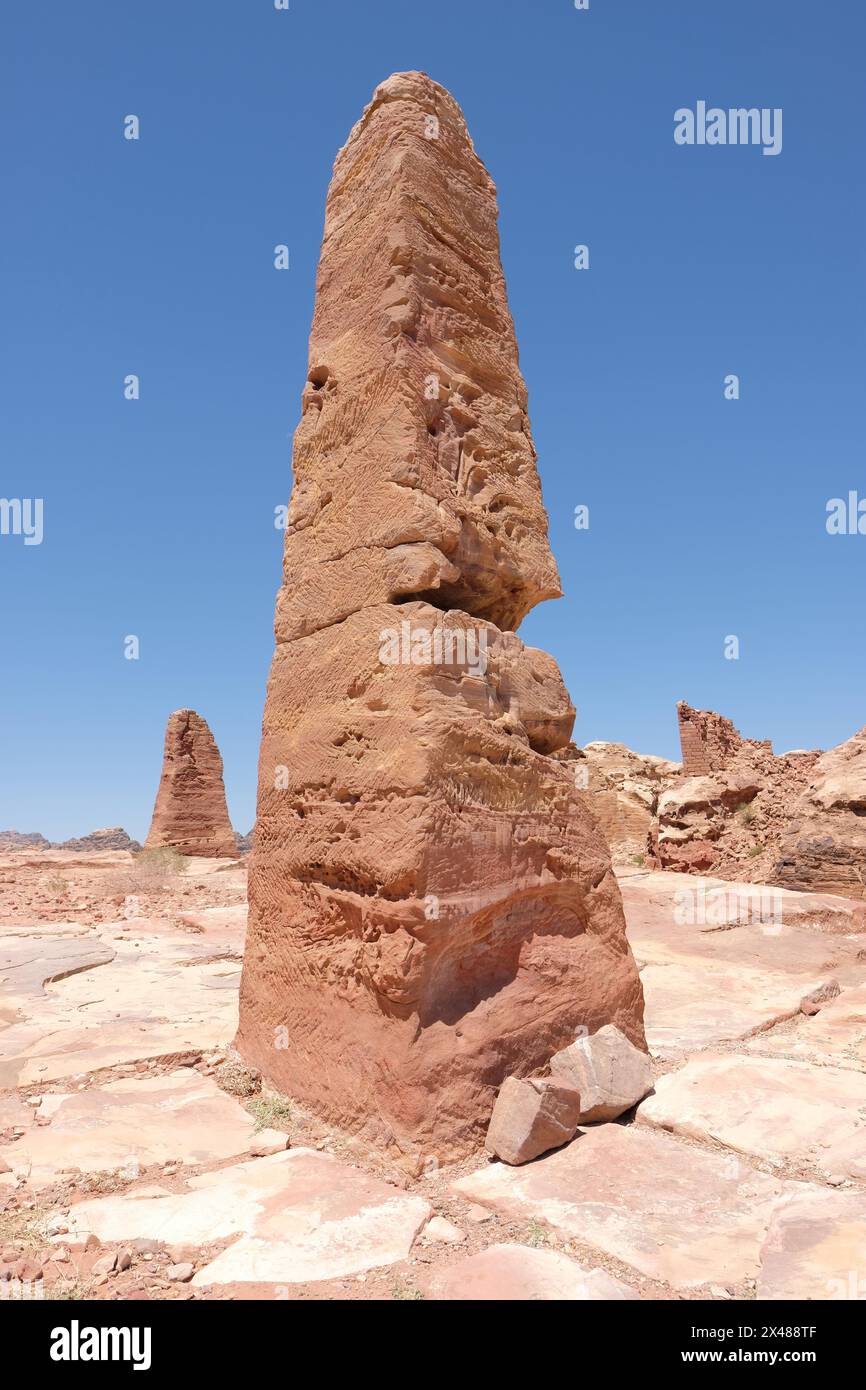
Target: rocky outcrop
<point>243,843</point>
<point>710,743</point>
<point>622,789</point>
<point>114,837</point>
<point>729,811</point>
<point>824,847</point>
<point>190,814</point>
<point>17,839</point>
<point>432,908</point>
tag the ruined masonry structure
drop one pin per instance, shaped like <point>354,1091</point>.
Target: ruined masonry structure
<point>432,908</point>
<point>190,814</point>
<point>710,743</point>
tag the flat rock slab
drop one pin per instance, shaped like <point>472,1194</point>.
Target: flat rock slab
<point>693,1006</point>
<point>132,1123</point>
<point>163,994</point>
<point>673,1212</point>
<point>816,1247</point>
<point>517,1273</point>
<point>651,900</point>
<point>836,1036</point>
<point>28,962</point>
<point>770,1107</point>
<point>300,1216</point>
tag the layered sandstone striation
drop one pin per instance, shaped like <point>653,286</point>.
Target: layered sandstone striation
<point>190,814</point>
<point>432,908</point>
<point>824,847</point>
<point>622,789</point>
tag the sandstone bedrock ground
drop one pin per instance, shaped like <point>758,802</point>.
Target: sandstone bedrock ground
<point>130,1145</point>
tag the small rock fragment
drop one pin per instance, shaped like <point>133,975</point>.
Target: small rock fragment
<point>477,1213</point>
<point>268,1141</point>
<point>813,1002</point>
<point>438,1228</point>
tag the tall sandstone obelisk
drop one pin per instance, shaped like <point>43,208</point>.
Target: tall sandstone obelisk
<point>190,814</point>
<point>431,906</point>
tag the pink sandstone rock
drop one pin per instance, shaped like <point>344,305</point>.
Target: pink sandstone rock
<point>190,814</point>
<point>519,1274</point>
<point>728,812</point>
<point>824,848</point>
<point>622,790</point>
<point>531,1116</point>
<point>432,907</point>
<point>610,1073</point>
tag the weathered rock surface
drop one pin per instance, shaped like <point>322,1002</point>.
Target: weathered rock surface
<point>131,1123</point>
<point>816,1247</point>
<point>675,1213</point>
<point>622,789</point>
<point>723,961</point>
<point>159,991</point>
<point>531,1116</point>
<point>414,465</point>
<point>190,814</point>
<point>610,1074</point>
<point>771,1107</point>
<point>297,1217</point>
<point>16,839</point>
<point>432,908</point>
<point>836,1036</point>
<point>733,805</point>
<point>824,847</point>
<point>517,1274</point>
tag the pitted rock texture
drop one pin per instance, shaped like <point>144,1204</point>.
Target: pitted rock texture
<point>432,907</point>
<point>825,845</point>
<point>191,814</point>
<point>414,465</point>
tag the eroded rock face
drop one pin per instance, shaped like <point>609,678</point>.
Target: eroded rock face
<point>622,789</point>
<point>16,839</point>
<point>414,465</point>
<point>825,845</point>
<point>732,805</point>
<point>191,814</point>
<point>432,908</point>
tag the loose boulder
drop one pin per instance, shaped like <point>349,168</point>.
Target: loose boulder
<point>610,1073</point>
<point>532,1116</point>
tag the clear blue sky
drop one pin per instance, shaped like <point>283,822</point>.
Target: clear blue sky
<point>707,516</point>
